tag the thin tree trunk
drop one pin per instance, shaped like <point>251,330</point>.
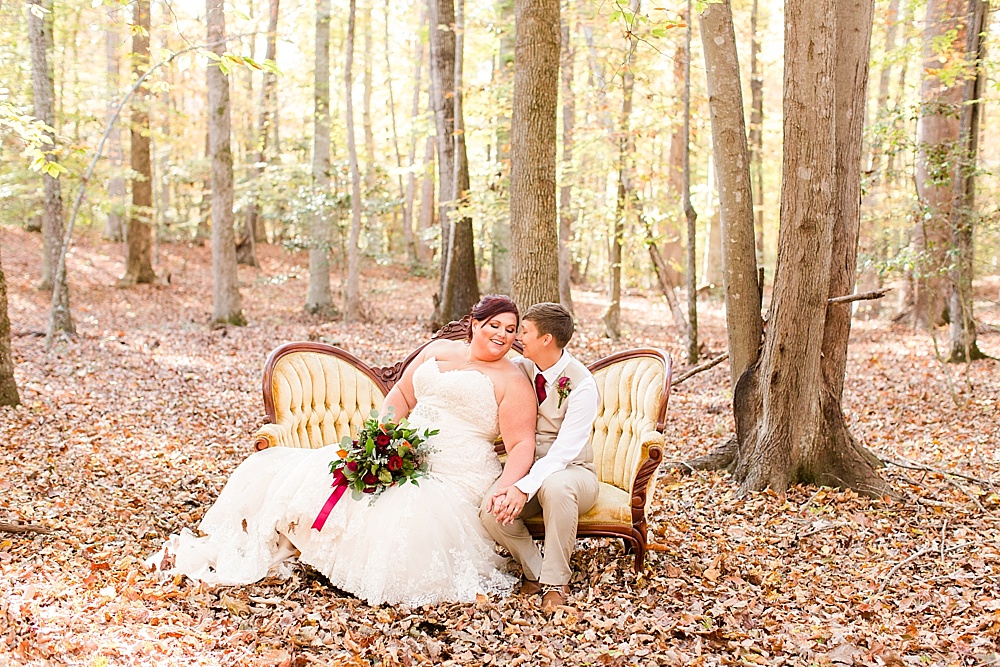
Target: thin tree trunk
<point>744,325</point>
<point>962,332</point>
<point>407,229</point>
<point>366,114</point>
<point>254,225</point>
<point>566,186</point>
<point>500,249</point>
<point>458,287</point>
<point>937,133</point>
<point>409,241</point>
<point>667,281</point>
<point>882,95</point>
<point>114,225</point>
<point>756,135</point>
<point>534,231</point>
<point>227,306</point>
<point>689,213</point>
<point>424,252</point>
<point>352,302</point>
<point>139,232</point>
<point>40,36</point>
<point>8,385</point>
<point>319,300</point>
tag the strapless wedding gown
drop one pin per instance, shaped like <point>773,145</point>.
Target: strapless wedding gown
<point>414,545</point>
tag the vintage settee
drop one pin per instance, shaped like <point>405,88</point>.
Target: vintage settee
<point>314,394</point>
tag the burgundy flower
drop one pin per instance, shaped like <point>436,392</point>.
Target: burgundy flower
<point>383,440</point>
<point>368,489</point>
<point>394,463</point>
<point>352,466</point>
<point>370,479</point>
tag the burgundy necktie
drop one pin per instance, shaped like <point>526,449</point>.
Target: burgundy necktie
<point>540,387</point>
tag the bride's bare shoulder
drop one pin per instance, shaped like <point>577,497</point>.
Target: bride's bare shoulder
<point>444,350</point>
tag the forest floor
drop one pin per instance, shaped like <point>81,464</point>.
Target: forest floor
<point>129,429</point>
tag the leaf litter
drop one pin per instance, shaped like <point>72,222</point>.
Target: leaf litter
<point>129,429</point>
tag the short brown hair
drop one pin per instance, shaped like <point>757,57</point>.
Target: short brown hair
<point>552,318</point>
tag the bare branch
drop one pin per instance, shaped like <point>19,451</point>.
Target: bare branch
<point>923,552</point>
<point>698,369</point>
<point>24,528</point>
<point>865,296</point>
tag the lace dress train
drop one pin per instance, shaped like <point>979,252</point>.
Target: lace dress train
<point>414,545</point>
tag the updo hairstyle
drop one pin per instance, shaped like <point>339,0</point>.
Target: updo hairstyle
<point>489,307</point>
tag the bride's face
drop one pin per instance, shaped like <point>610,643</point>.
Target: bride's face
<point>492,338</point>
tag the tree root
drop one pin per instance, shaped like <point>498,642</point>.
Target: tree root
<point>722,457</point>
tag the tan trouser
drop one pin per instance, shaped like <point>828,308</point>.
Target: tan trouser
<point>562,498</point>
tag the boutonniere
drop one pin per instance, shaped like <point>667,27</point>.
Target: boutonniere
<point>563,387</point>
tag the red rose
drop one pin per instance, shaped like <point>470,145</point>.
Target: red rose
<point>394,463</point>
<point>369,489</point>
<point>352,466</point>
<point>383,440</point>
<point>370,479</point>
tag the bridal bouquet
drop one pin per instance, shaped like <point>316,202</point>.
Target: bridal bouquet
<point>384,454</point>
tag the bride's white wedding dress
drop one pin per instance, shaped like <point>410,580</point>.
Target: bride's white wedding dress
<point>413,545</point>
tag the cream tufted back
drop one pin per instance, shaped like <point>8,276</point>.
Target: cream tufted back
<point>320,398</point>
<point>631,393</point>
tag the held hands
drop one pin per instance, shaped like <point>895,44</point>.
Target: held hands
<point>506,504</point>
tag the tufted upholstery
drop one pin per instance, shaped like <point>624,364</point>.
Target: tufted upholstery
<point>315,394</point>
<point>628,446</point>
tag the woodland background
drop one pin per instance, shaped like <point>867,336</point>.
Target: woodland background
<point>129,427</point>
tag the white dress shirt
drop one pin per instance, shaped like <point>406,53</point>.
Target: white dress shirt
<point>574,433</point>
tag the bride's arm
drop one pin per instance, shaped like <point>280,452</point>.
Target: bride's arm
<point>517,414</point>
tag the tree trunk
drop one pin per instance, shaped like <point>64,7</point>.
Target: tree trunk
<point>568,176</point>
<point>411,239</point>
<point>253,229</point>
<point>352,302</point>
<point>114,225</point>
<point>937,134</point>
<point>756,135</point>
<point>227,306</point>
<point>882,96</point>
<point>962,331</point>
<point>534,231</point>
<point>366,113</point>
<point>458,287</point>
<point>500,248</point>
<point>8,386</point>
<point>789,422</point>
<point>424,252</point>
<point>319,300</point>
<point>690,216</point>
<point>139,232</point>
<point>744,325</point>
<point>40,36</point>
<point>407,227</point>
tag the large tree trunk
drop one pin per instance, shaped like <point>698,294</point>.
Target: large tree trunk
<point>319,300</point>
<point>40,36</point>
<point>139,232</point>
<point>8,386</point>
<point>566,186</point>
<point>534,234</point>
<point>729,144</point>
<point>962,332</point>
<point>790,427</point>
<point>352,302</point>
<point>425,254</point>
<point>458,287</point>
<point>937,134</point>
<point>227,306</point>
<point>114,225</point>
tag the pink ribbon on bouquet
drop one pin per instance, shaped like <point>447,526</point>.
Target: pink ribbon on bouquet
<point>339,486</point>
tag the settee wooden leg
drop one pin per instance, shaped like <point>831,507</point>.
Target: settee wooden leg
<point>640,557</point>
<point>629,545</point>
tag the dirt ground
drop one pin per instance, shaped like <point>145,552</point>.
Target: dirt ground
<point>129,429</point>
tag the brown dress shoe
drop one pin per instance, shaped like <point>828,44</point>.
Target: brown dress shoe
<point>529,587</point>
<point>555,596</point>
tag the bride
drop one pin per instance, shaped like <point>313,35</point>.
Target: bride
<point>415,544</point>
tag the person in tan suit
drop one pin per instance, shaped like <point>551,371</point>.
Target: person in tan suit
<point>562,482</point>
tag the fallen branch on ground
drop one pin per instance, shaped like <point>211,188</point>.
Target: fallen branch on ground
<point>923,552</point>
<point>698,369</point>
<point>24,528</point>
<point>913,465</point>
